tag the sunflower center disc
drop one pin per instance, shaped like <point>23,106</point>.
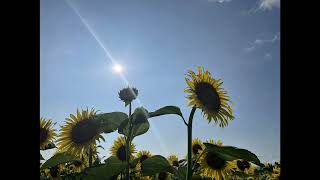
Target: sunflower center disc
<point>162,176</point>
<point>214,161</point>
<point>196,148</point>
<point>43,135</point>
<point>143,157</point>
<point>208,96</point>
<point>77,163</point>
<point>84,131</point>
<point>121,153</point>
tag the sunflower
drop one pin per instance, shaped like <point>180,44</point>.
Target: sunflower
<point>215,167</point>
<point>127,95</point>
<point>143,155</point>
<point>119,149</point>
<point>79,133</point>
<point>47,134</point>
<point>197,146</point>
<point>173,159</point>
<point>244,166</point>
<point>276,173</point>
<point>207,94</point>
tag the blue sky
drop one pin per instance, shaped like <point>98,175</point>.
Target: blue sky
<point>156,42</point>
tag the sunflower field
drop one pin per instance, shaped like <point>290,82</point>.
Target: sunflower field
<point>77,142</point>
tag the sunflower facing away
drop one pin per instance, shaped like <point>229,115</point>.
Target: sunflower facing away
<point>197,146</point>
<point>207,94</point>
<point>215,167</point>
<point>47,134</point>
<point>173,159</point>
<point>79,133</point>
<point>119,149</point>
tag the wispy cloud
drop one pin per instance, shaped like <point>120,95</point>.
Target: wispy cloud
<point>219,1</point>
<point>260,42</point>
<point>265,5</point>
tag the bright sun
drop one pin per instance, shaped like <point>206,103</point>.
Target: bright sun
<point>117,68</point>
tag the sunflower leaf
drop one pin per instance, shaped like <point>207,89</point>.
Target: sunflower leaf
<point>154,165</point>
<point>112,167</point>
<point>230,153</point>
<point>110,122</point>
<point>138,128</point>
<point>59,159</point>
<point>166,110</point>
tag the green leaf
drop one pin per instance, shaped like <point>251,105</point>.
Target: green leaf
<point>230,153</point>
<point>59,159</point>
<point>138,129</point>
<point>154,165</point>
<point>111,121</point>
<point>140,115</point>
<point>112,167</point>
<point>49,146</point>
<point>166,110</point>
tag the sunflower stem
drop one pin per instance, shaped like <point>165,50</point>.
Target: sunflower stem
<point>128,145</point>
<point>189,167</point>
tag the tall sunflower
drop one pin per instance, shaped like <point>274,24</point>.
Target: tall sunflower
<point>119,149</point>
<point>173,159</point>
<point>215,167</point>
<point>197,146</point>
<point>207,94</point>
<point>79,133</point>
<point>47,134</point>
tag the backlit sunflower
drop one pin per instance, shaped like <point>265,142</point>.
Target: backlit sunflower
<point>47,134</point>
<point>79,133</point>
<point>207,94</point>
<point>119,149</point>
<point>173,159</point>
<point>215,167</point>
<point>197,147</point>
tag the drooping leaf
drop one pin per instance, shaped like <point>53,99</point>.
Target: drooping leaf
<point>154,165</point>
<point>59,159</point>
<point>112,167</point>
<point>230,153</point>
<point>166,110</point>
<point>140,115</point>
<point>110,121</point>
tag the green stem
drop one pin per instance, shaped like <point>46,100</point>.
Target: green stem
<point>189,167</point>
<point>128,145</point>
